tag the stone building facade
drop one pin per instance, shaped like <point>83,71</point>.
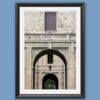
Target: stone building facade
<point>50,54</point>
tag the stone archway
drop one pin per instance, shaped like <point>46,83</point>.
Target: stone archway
<point>50,81</point>
<point>50,52</point>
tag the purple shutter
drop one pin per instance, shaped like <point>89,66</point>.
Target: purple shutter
<point>50,21</point>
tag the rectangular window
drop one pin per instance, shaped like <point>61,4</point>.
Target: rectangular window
<point>50,21</point>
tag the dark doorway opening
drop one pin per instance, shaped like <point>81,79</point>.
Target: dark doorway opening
<point>50,81</point>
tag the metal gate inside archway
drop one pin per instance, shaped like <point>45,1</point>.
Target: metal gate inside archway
<point>50,81</point>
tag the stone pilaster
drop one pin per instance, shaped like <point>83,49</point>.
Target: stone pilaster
<point>71,69</point>
<point>28,68</point>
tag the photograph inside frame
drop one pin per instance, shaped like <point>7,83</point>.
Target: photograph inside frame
<point>50,45</point>
<point>50,49</point>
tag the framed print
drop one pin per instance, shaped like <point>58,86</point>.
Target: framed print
<point>50,50</point>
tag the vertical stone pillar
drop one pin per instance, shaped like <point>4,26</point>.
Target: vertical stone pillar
<point>71,68</point>
<point>36,79</point>
<point>28,69</point>
<point>40,80</point>
<point>59,80</point>
<point>62,77</point>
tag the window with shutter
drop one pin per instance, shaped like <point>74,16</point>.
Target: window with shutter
<point>50,21</point>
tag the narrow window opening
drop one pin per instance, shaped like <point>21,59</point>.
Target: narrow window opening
<point>50,21</point>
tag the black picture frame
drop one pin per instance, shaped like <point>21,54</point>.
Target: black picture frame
<point>17,48</point>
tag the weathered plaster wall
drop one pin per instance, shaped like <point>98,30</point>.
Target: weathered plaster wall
<point>35,22</point>
<point>66,22</point>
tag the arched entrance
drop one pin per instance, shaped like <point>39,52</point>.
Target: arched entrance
<point>50,52</point>
<point>50,81</point>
